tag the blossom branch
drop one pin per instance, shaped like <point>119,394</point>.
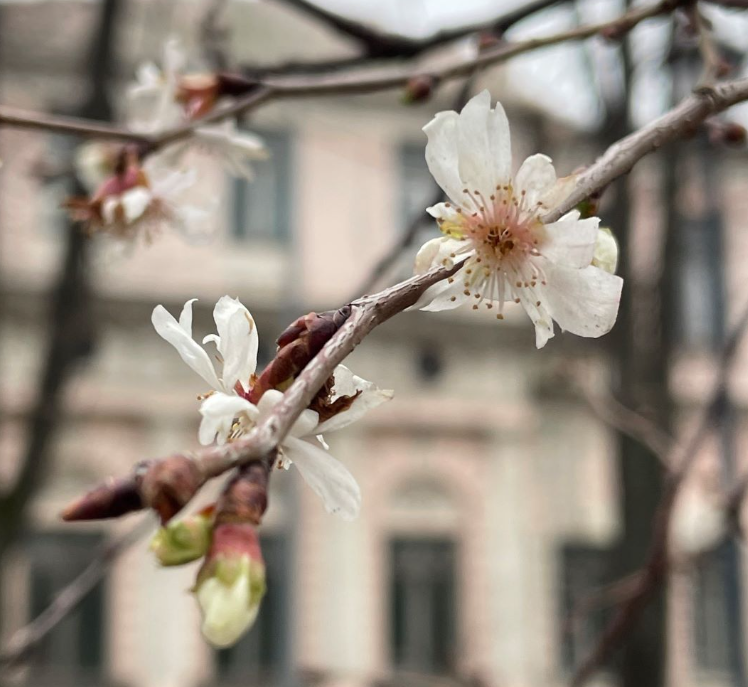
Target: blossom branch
<point>168,484</point>
<point>26,639</point>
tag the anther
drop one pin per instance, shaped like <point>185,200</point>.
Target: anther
<point>519,284</point>
<point>475,306</point>
<point>538,304</point>
<point>516,300</point>
<point>451,280</point>
<point>499,316</point>
<point>453,298</point>
<point>466,292</point>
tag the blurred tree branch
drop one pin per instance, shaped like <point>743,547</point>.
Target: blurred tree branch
<point>657,565</point>
<point>376,44</point>
<point>71,324</point>
<point>355,80</point>
<point>26,639</point>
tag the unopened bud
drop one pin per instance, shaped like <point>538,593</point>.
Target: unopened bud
<point>606,251</point>
<point>198,93</point>
<point>230,584</point>
<point>418,89</point>
<point>726,133</point>
<point>183,541</point>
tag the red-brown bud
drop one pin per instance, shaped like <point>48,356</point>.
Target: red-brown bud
<point>298,344</point>
<point>112,499</point>
<point>170,484</point>
<point>419,89</point>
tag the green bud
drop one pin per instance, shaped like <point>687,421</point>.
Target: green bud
<point>606,251</point>
<point>183,541</point>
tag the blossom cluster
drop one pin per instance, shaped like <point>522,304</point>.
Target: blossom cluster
<point>494,240</point>
<point>230,577</point>
<point>135,192</point>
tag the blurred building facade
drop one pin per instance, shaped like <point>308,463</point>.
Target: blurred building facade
<point>489,486</point>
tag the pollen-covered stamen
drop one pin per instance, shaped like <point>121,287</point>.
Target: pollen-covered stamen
<point>504,233</point>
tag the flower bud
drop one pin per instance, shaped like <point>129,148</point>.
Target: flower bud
<point>231,583</point>
<point>183,541</point>
<point>606,251</point>
<point>418,89</point>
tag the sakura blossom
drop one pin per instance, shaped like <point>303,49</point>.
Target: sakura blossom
<point>168,97</point>
<point>141,200</point>
<point>493,225</point>
<point>227,414</point>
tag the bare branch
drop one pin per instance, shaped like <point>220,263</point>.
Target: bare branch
<point>355,80</point>
<point>381,45</point>
<point>25,640</point>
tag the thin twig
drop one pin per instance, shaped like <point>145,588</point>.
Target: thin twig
<point>381,45</point>
<point>354,81</point>
<point>629,422</point>
<point>27,638</point>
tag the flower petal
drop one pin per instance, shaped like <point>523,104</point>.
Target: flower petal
<point>441,153</point>
<point>219,411</point>
<point>583,302</point>
<point>347,384</point>
<point>234,149</point>
<point>327,477</point>
<point>185,318</point>
<point>451,222</point>
<point>237,341</point>
<point>170,330</point>
<point>476,163</point>
<point>536,177</point>
<point>135,202</point>
<point>571,241</point>
<point>443,296</point>
<point>438,252</point>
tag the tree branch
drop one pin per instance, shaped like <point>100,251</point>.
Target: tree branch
<point>383,45</point>
<point>657,564</point>
<point>354,81</point>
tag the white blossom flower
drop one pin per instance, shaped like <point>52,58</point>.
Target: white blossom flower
<point>493,224</point>
<point>699,521</point>
<point>142,200</point>
<point>164,98</point>
<point>227,413</point>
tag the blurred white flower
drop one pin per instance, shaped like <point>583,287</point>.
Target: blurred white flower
<point>161,99</point>
<point>699,520</point>
<point>140,201</point>
<point>228,414</point>
<point>493,223</point>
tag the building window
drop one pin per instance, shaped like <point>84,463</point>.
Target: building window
<point>423,622</point>
<point>258,657</point>
<point>417,192</point>
<point>710,614</point>
<point>72,654</point>
<point>583,570</point>
<point>263,206</point>
<point>699,280</point>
